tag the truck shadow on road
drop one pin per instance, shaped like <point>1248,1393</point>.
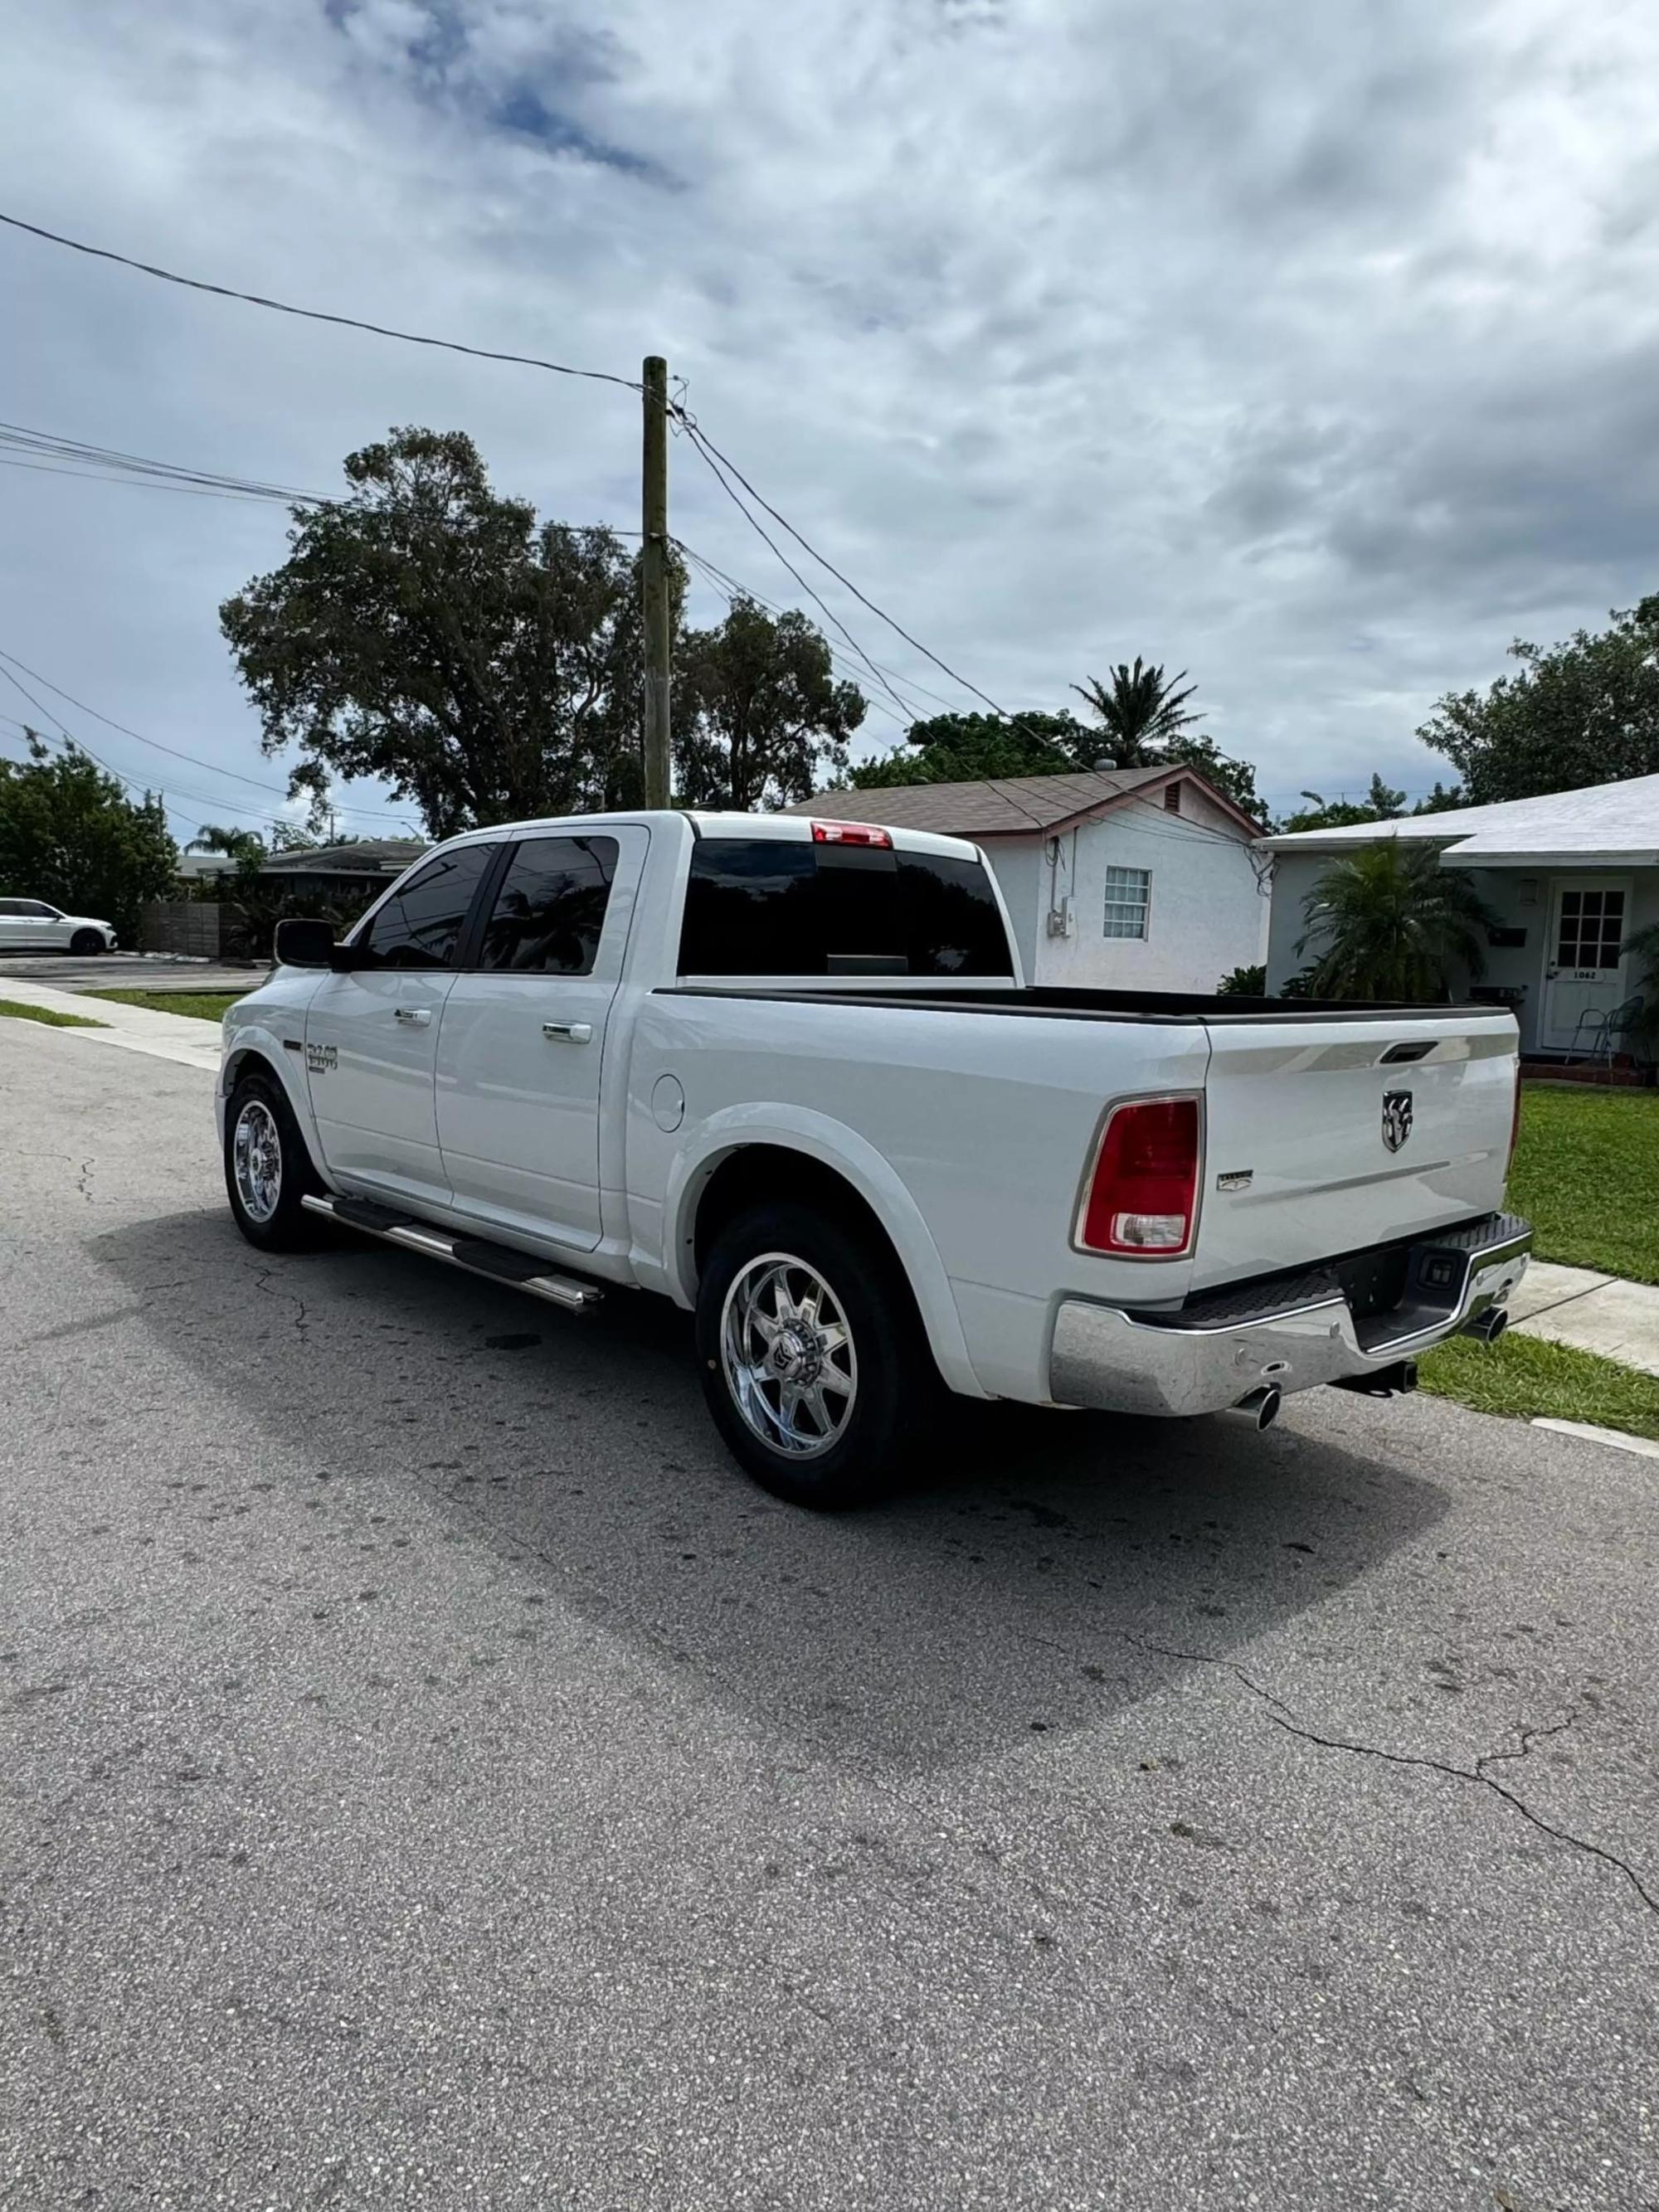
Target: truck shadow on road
<point>1041,1572</point>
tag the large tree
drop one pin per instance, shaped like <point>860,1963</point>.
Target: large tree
<point>69,834</point>
<point>427,630</point>
<point>1390,922</point>
<point>1585,712</point>
<point>1140,710</point>
<point>758,716</point>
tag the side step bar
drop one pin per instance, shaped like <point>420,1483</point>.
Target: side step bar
<point>495,1262</point>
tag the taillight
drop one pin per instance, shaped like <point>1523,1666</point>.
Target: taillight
<point>852,833</point>
<point>1143,1198</point>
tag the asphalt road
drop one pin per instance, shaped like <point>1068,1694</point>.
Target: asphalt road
<point>130,971</point>
<point>429,1775</point>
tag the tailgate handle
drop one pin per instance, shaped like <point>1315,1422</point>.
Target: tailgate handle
<point>1397,1054</point>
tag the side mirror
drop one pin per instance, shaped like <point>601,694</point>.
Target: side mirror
<point>304,944</point>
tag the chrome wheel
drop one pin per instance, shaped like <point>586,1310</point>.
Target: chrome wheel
<point>787,1356</point>
<point>256,1158</point>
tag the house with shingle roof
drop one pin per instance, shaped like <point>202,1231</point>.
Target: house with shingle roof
<point>1143,878</point>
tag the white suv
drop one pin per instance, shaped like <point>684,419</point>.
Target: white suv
<point>32,925</point>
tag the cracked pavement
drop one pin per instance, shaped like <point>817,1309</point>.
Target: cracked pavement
<point>432,1774</point>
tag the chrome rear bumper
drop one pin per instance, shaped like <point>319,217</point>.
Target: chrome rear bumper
<point>1209,1353</point>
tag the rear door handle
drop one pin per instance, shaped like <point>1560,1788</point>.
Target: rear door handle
<point>567,1032</point>
<point>418,1018</point>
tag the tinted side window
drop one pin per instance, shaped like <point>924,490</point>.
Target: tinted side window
<point>422,927</point>
<point>550,908</point>
<point>13,907</point>
<point>757,907</point>
<point>750,909</point>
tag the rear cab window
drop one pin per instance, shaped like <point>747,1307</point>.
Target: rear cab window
<point>770,906</point>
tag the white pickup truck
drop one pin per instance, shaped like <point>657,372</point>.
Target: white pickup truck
<point>787,1073</point>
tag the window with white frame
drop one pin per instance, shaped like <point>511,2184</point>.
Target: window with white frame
<point>1128,900</point>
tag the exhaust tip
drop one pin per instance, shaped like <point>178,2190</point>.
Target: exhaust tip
<point>1488,1327</point>
<point>1261,1407</point>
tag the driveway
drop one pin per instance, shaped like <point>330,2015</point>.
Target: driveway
<point>431,1774</point>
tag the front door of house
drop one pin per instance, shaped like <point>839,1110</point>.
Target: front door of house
<point>1584,972</point>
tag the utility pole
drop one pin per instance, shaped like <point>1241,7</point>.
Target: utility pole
<point>654,565</point>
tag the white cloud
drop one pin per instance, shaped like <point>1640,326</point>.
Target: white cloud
<point>1313,351</point>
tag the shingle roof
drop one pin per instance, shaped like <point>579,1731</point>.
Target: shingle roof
<point>365,856</point>
<point>1619,818</point>
<point>998,806</point>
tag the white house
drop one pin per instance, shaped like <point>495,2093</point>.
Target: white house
<point>1145,879</point>
<point>1570,877</point>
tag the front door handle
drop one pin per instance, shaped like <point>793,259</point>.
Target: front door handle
<point>567,1032</point>
<point>418,1018</point>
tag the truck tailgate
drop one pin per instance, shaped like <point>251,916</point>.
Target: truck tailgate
<point>1313,1149</point>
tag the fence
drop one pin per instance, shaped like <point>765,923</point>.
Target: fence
<point>186,927</point>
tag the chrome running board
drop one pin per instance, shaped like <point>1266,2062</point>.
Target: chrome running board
<point>494,1263</point>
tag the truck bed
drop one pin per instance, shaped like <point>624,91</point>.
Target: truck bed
<point>1059,1003</point>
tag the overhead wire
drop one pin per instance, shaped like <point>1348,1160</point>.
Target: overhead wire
<point>316,314</point>
<point>192,760</point>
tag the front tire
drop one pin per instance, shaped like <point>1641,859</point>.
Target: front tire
<point>268,1170</point>
<point>813,1357</point>
<point>86,944</point>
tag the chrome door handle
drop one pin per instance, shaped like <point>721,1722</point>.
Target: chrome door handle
<point>567,1032</point>
<point>418,1018</point>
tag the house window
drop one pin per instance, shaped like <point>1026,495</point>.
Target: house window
<point>1592,928</point>
<point>1128,897</point>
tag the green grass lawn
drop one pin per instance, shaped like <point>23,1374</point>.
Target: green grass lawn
<point>1586,1175</point>
<point>19,1012</point>
<point>206,1006</point>
<point>1525,1376</point>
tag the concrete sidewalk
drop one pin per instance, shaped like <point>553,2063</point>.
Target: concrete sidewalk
<point>180,1037</point>
<point>1597,1313</point>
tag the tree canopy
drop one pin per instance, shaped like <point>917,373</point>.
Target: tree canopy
<point>1380,804</point>
<point>69,834</point>
<point>965,748</point>
<point>1585,712</point>
<point>758,716</point>
<point>427,630</point>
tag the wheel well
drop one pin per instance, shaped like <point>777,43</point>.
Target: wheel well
<point>758,1172</point>
<point>239,1062</point>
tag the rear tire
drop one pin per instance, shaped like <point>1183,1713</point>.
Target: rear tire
<point>268,1170</point>
<point>813,1357</point>
<point>86,944</point>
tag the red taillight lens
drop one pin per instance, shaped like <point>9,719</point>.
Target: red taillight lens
<point>1144,1198</point>
<point>852,833</point>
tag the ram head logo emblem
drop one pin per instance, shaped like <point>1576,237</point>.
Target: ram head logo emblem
<point>1396,1118</point>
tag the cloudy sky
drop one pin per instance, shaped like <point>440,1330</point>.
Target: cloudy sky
<point>1313,349</point>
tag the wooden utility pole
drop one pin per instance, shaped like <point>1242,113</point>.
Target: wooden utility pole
<point>654,523</point>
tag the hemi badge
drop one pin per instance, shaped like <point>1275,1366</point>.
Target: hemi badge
<point>1240,1179</point>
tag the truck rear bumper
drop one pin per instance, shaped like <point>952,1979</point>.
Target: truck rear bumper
<point>1287,1335</point>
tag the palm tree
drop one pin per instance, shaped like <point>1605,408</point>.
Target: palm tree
<point>1140,709</point>
<point>246,848</point>
<point>1391,923</point>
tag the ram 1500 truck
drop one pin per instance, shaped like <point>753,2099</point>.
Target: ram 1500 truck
<point>787,1074</point>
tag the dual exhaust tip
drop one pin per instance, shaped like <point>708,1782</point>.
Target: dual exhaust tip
<point>1261,1407</point>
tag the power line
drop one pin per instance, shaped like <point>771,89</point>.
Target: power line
<point>761,531</point>
<point>193,759</point>
<point>316,314</point>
